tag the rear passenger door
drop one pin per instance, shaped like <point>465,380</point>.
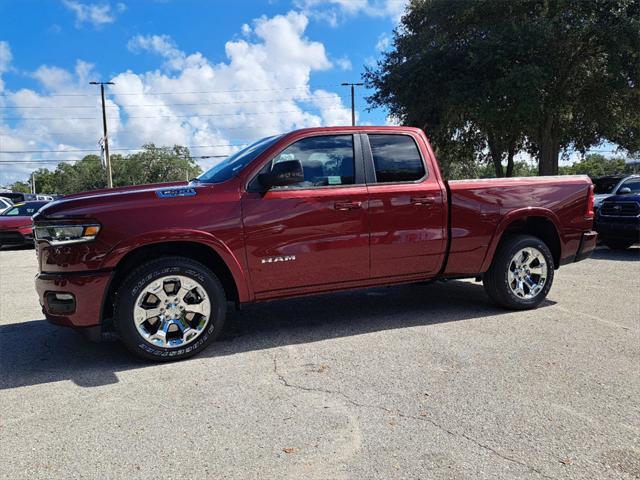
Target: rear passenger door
<point>406,207</point>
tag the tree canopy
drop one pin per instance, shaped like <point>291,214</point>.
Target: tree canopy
<point>151,165</point>
<point>489,78</point>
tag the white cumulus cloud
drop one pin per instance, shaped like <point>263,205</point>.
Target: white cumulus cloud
<point>5,60</point>
<point>263,87</point>
<point>332,10</point>
<point>97,14</point>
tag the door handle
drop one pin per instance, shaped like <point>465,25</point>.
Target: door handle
<point>343,206</point>
<point>423,200</point>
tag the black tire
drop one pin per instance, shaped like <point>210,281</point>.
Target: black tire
<point>618,244</point>
<point>149,272</point>
<point>496,282</point>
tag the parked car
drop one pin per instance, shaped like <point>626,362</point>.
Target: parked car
<point>618,220</point>
<point>16,224</point>
<point>19,197</point>
<point>608,186</point>
<point>312,211</point>
<point>5,203</point>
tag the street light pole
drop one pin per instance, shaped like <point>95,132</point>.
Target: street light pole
<point>353,100</point>
<point>104,130</point>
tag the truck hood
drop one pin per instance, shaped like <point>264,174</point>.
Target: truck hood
<point>624,198</point>
<point>80,204</point>
<point>12,223</point>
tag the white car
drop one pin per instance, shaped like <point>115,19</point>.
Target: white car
<point>608,186</point>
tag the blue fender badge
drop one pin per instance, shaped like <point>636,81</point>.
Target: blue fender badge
<point>176,192</point>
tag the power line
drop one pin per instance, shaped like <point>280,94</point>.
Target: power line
<point>119,149</point>
<point>66,160</point>
<point>305,87</point>
<point>49,118</point>
<point>301,99</point>
<point>166,116</point>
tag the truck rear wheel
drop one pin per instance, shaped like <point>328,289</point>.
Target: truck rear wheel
<point>170,309</point>
<point>521,273</point>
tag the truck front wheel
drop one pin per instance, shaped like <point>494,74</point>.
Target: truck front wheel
<point>521,273</point>
<point>169,309</point>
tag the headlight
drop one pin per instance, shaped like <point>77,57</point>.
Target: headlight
<point>66,234</point>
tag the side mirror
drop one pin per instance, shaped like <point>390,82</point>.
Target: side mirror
<point>624,191</point>
<point>288,172</point>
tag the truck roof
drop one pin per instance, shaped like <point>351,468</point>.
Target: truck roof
<point>359,128</point>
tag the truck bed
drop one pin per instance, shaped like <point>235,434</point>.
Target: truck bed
<point>480,210</point>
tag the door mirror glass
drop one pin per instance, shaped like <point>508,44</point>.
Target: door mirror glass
<point>285,173</point>
<point>624,191</point>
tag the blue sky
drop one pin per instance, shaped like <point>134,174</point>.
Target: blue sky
<point>207,74</point>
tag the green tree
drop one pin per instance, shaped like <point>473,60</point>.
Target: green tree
<point>151,165</point>
<point>499,76</point>
<point>596,165</point>
<point>21,187</point>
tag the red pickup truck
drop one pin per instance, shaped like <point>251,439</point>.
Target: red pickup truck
<point>311,211</point>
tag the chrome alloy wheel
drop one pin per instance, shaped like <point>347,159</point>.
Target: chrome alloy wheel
<point>172,311</point>
<point>527,273</point>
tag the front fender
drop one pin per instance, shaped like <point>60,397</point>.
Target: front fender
<point>115,255</point>
<point>514,216</point>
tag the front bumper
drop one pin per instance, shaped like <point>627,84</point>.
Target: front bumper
<point>88,291</point>
<point>619,229</point>
<point>585,248</point>
<point>16,237</point>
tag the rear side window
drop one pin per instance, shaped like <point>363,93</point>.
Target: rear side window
<point>396,158</point>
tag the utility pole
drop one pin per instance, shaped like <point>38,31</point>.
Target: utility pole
<point>104,130</point>
<point>33,183</point>
<point>353,99</point>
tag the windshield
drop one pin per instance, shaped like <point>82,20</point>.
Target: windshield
<point>234,164</point>
<point>632,184</point>
<point>604,185</point>
<point>24,210</point>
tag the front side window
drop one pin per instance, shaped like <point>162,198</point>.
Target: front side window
<point>396,158</point>
<point>326,160</point>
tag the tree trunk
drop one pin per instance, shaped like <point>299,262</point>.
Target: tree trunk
<point>496,156</point>
<point>549,145</point>
<point>510,154</point>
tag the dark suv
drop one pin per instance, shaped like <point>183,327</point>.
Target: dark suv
<point>618,219</point>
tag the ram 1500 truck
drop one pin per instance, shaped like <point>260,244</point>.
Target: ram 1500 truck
<point>311,211</point>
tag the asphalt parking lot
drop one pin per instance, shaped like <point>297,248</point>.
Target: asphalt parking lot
<point>420,381</point>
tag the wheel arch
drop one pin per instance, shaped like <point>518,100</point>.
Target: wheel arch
<point>230,274</point>
<point>540,223</point>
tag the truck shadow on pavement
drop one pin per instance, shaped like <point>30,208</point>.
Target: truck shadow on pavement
<point>604,253</point>
<point>36,352</point>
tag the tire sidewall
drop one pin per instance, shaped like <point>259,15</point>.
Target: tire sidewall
<point>139,279</point>
<point>514,300</point>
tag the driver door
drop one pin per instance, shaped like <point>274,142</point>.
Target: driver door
<point>312,234</point>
